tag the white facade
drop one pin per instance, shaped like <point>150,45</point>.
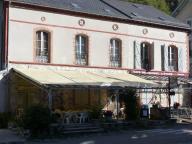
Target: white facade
<point>63,28</point>
<point>24,23</point>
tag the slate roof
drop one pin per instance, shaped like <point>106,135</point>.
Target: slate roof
<point>111,8</point>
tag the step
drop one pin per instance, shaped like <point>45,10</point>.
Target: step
<point>78,125</point>
<point>84,131</point>
<point>80,128</point>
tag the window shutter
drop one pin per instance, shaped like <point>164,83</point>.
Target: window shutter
<point>152,56</point>
<point>137,55</point>
<point>163,57</point>
<point>180,59</point>
<point>166,67</point>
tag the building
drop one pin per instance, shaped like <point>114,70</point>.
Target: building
<point>183,13</point>
<point>50,48</point>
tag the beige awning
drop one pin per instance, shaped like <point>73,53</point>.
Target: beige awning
<point>50,77</point>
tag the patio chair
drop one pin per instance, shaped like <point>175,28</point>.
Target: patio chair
<point>66,118</point>
<point>83,117</point>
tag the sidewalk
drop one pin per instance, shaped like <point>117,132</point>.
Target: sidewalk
<point>9,137</point>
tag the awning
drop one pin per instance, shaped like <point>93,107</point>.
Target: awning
<point>61,78</point>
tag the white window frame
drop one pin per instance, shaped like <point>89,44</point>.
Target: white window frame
<point>115,58</point>
<point>43,55</point>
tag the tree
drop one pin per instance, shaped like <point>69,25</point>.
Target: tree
<point>159,4</point>
<point>132,104</point>
<point>173,4</point>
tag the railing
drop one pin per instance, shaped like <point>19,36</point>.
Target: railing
<point>185,113</point>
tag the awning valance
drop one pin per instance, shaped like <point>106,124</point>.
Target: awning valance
<point>62,78</point>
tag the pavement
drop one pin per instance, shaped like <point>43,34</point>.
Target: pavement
<point>181,134</point>
<point>178,134</point>
<point>9,137</point>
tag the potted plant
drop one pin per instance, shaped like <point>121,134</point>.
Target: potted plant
<point>176,105</point>
<point>108,115</point>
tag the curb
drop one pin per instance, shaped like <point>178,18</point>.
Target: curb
<point>13,142</point>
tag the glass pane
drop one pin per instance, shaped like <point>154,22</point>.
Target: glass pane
<point>42,45</point>
<point>45,36</point>
<point>38,35</point>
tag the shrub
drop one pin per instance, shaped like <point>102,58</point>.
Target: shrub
<point>37,119</point>
<point>4,119</point>
<point>95,112</point>
<point>176,105</point>
<point>132,104</point>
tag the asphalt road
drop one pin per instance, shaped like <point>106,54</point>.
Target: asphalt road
<point>172,135</point>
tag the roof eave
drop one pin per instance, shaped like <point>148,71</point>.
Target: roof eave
<point>109,17</point>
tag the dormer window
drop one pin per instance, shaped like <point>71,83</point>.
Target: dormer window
<point>81,49</point>
<point>189,22</point>
<point>115,53</point>
<point>42,53</point>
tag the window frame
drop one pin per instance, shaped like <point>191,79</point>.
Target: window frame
<point>171,59</point>
<point>149,56</point>
<point>86,53</point>
<point>111,55</point>
<point>49,33</point>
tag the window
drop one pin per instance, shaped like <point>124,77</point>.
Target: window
<point>146,56</point>
<point>189,22</point>
<point>115,53</point>
<point>173,58</point>
<point>42,47</point>
<point>81,49</point>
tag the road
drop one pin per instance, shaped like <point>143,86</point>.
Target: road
<point>174,135</point>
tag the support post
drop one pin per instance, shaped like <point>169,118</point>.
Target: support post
<point>117,103</point>
<point>50,98</point>
<point>169,97</point>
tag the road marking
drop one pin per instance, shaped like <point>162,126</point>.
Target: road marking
<point>167,131</point>
<point>154,130</point>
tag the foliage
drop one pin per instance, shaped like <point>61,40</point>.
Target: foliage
<point>37,119</point>
<point>159,4</point>
<point>173,4</point>
<point>166,6</point>
<point>95,112</point>
<point>4,119</point>
<point>132,104</point>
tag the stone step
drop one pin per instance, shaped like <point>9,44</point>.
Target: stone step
<point>80,128</point>
<point>78,125</point>
<point>84,131</point>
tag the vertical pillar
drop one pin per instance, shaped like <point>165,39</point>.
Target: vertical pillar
<point>169,96</point>
<point>117,103</point>
<point>50,99</point>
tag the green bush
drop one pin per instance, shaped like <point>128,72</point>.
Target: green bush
<point>4,119</point>
<point>37,119</point>
<point>132,104</point>
<point>95,112</point>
